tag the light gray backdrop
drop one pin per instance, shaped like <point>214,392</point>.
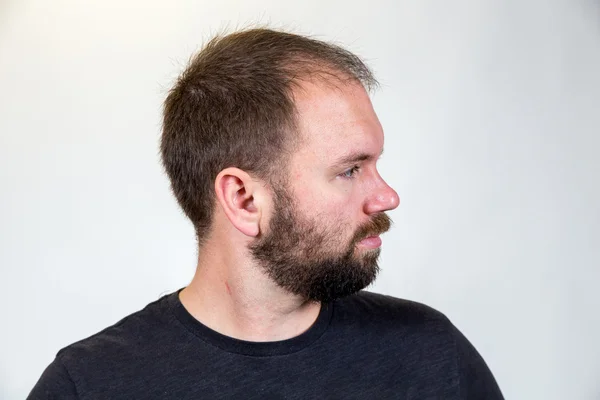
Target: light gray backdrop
<point>492,115</point>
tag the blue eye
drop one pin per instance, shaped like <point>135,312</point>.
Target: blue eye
<point>348,174</point>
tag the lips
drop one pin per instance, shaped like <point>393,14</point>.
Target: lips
<point>371,242</point>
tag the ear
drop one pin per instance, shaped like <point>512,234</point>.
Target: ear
<point>241,198</point>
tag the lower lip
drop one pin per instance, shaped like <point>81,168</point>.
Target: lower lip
<point>371,242</point>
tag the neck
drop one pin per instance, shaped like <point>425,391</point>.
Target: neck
<point>231,295</point>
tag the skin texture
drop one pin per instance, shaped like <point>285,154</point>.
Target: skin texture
<point>331,191</point>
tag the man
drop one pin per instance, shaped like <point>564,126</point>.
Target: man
<point>271,142</point>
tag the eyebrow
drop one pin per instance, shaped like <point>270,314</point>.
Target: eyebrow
<point>355,157</point>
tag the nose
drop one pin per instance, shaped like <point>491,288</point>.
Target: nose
<point>383,198</point>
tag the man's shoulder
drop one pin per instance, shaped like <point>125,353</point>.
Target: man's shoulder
<point>426,341</point>
<point>126,337</point>
<point>105,363</point>
<point>418,333</point>
<point>381,304</point>
<point>392,313</point>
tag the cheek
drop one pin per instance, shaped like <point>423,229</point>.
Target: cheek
<point>329,207</point>
<point>328,201</point>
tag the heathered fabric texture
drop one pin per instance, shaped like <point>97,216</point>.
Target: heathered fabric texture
<point>365,346</point>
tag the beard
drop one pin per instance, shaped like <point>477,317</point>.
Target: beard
<point>309,259</point>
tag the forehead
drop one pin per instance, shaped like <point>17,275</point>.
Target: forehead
<point>335,120</point>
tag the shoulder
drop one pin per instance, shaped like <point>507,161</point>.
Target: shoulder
<point>420,335</point>
<point>400,325</point>
<point>122,339</point>
<point>391,329</point>
<point>380,307</point>
<point>116,354</point>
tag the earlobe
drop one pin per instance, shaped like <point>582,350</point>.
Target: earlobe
<point>236,193</point>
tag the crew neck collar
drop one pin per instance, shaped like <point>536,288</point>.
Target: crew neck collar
<point>258,349</point>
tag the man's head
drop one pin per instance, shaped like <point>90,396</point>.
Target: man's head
<point>265,109</point>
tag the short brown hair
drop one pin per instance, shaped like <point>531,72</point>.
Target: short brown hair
<point>233,107</point>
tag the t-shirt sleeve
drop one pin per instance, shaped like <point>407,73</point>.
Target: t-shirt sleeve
<point>476,380</point>
<point>55,383</point>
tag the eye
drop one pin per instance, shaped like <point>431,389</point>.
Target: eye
<point>349,174</point>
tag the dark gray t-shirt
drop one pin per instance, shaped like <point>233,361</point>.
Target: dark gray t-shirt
<point>365,346</point>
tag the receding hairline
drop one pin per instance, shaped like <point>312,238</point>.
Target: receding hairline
<point>312,56</point>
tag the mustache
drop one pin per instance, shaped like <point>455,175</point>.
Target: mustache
<point>379,224</point>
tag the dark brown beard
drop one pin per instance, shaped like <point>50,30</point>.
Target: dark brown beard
<point>302,257</point>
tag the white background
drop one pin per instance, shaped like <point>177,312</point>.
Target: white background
<point>492,117</point>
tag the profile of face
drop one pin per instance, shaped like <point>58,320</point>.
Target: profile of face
<point>328,212</point>
<point>311,258</point>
